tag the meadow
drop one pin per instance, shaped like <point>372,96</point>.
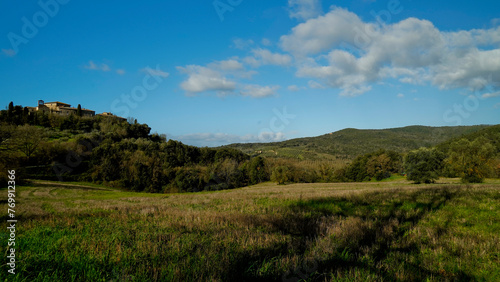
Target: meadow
<point>370,231</point>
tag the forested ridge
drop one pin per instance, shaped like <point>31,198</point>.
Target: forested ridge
<point>350,143</point>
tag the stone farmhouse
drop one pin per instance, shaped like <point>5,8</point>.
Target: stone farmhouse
<point>64,109</point>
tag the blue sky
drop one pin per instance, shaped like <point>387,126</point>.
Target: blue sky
<point>209,73</point>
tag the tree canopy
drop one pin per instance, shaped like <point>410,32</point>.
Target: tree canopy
<point>424,165</point>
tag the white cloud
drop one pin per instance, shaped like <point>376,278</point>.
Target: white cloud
<point>9,52</point>
<point>401,95</point>
<point>266,57</point>
<point>242,44</point>
<point>100,67</point>
<point>351,54</point>
<point>201,79</point>
<point>120,71</point>
<point>323,33</point>
<point>231,67</point>
<point>491,95</point>
<point>227,65</point>
<point>222,78</point>
<point>315,85</point>
<point>155,72</point>
<point>218,139</point>
<point>304,9</point>
<point>257,91</point>
<point>293,88</point>
<point>266,42</point>
<point>474,70</point>
<point>340,50</point>
<point>268,136</point>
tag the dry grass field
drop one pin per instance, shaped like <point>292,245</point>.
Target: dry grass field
<point>301,232</point>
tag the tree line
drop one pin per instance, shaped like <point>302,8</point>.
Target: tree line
<point>127,155</point>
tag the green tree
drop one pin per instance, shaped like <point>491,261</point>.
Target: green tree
<point>356,171</point>
<point>379,167</point>
<point>257,170</point>
<point>79,110</point>
<point>424,165</point>
<point>228,172</point>
<point>10,111</point>
<point>280,174</point>
<point>472,160</point>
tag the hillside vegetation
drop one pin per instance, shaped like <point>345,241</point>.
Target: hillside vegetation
<point>117,153</point>
<point>350,143</point>
<point>125,154</point>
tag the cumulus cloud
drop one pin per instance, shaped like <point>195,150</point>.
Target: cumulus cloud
<point>227,65</point>
<point>322,33</point>
<point>219,139</point>
<point>315,85</point>
<point>222,77</point>
<point>269,136</point>
<point>257,91</point>
<point>155,72</point>
<point>491,95</point>
<point>266,57</point>
<point>293,88</point>
<point>342,51</point>
<point>304,9</point>
<point>266,42</point>
<point>242,44</point>
<point>201,79</point>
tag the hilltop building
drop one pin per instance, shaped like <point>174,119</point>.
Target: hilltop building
<point>59,108</point>
<point>108,114</point>
<point>64,109</point>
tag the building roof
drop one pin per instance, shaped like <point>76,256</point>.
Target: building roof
<point>72,108</point>
<point>57,102</point>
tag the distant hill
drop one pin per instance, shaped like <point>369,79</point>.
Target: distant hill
<point>349,143</point>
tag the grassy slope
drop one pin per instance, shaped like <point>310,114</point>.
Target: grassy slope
<point>349,143</point>
<point>369,231</point>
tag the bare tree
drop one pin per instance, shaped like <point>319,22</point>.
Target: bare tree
<point>26,139</point>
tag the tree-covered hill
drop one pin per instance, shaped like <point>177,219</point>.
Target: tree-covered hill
<point>127,155</point>
<point>115,152</point>
<point>350,143</point>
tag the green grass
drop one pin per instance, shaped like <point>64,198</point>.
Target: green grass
<point>314,232</point>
